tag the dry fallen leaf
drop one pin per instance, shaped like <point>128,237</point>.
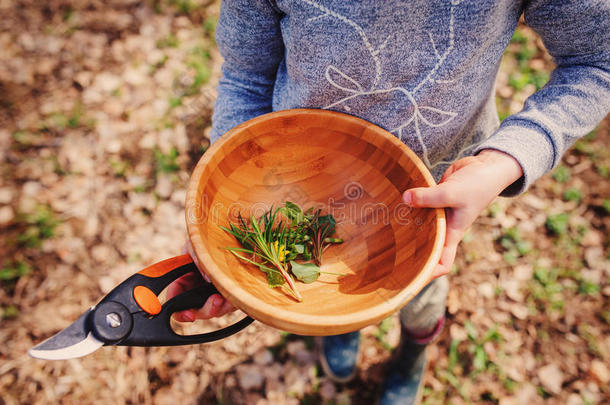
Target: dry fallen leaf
<point>551,377</point>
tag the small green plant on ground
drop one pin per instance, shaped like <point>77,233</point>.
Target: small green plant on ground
<point>545,290</point>
<point>480,360</point>
<point>466,361</point>
<point>606,205</point>
<point>494,209</point>
<point>603,170</point>
<point>119,167</point>
<point>25,138</point>
<point>585,146</point>
<point>198,73</point>
<point>561,174</point>
<point>593,340</point>
<point>605,315</point>
<point>67,13</point>
<point>158,64</point>
<point>167,162</point>
<point>572,194</point>
<point>9,312</point>
<point>10,273</point>
<point>74,119</point>
<point>526,50</point>
<point>13,271</point>
<point>199,62</point>
<point>514,245</point>
<point>382,333</point>
<point>558,223</point>
<point>39,225</point>
<point>209,26</point>
<point>587,287</point>
<point>169,41</point>
<point>174,102</point>
<point>184,6</point>
<point>518,80</point>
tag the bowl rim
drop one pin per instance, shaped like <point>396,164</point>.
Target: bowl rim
<point>307,324</point>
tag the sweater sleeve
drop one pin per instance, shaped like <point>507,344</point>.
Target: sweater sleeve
<point>249,39</point>
<point>577,96</point>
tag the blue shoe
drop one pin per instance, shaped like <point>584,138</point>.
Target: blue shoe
<point>339,356</point>
<point>404,380</point>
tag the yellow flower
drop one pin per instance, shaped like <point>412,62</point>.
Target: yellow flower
<point>283,252</point>
<point>280,251</point>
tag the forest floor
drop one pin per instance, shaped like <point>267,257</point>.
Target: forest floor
<point>104,111</point>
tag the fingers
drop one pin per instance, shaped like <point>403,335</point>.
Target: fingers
<point>182,284</point>
<point>457,165</point>
<point>445,264</point>
<point>215,306</point>
<point>441,196</point>
<point>177,287</point>
<point>452,189</point>
<point>184,316</point>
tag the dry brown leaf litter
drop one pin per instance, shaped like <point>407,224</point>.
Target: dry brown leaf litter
<point>94,99</point>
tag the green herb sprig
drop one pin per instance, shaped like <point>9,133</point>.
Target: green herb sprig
<point>262,239</point>
<point>274,244</point>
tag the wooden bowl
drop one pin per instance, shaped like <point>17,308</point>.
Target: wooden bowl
<point>348,167</point>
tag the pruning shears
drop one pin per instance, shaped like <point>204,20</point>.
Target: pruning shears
<point>132,315</point>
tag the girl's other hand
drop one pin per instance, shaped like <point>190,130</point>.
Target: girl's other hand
<point>468,186</point>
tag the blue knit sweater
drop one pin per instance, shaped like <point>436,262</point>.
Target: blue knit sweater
<point>422,69</point>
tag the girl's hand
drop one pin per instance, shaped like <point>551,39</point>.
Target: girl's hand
<point>468,186</point>
<point>215,306</point>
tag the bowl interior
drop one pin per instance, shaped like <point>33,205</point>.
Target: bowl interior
<point>349,168</point>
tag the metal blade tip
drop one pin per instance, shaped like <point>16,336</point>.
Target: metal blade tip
<point>80,349</point>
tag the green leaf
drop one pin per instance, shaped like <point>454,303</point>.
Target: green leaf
<point>293,212</point>
<point>471,331</point>
<point>167,162</point>
<point>10,312</point>
<point>14,271</point>
<point>8,274</point>
<point>557,224</point>
<point>299,248</point>
<point>523,247</point>
<point>480,358</point>
<point>606,205</point>
<point>561,174</point>
<point>492,334</point>
<point>329,221</point>
<point>306,272</point>
<point>453,355</point>
<point>587,287</point>
<point>291,255</point>
<point>274,279</point>
<point>572,194</point>
<point>245,259</point>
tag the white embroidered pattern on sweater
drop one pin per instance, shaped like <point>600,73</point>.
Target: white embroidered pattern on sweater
<point>430,116</point>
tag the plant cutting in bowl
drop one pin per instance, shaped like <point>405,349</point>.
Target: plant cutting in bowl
<point>275,246</point>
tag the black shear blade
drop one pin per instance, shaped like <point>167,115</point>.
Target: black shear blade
<point>74,341</point>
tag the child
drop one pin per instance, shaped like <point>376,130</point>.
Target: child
<point>425,71</point>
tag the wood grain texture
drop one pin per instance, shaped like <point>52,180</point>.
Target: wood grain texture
<point>349,168</point>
